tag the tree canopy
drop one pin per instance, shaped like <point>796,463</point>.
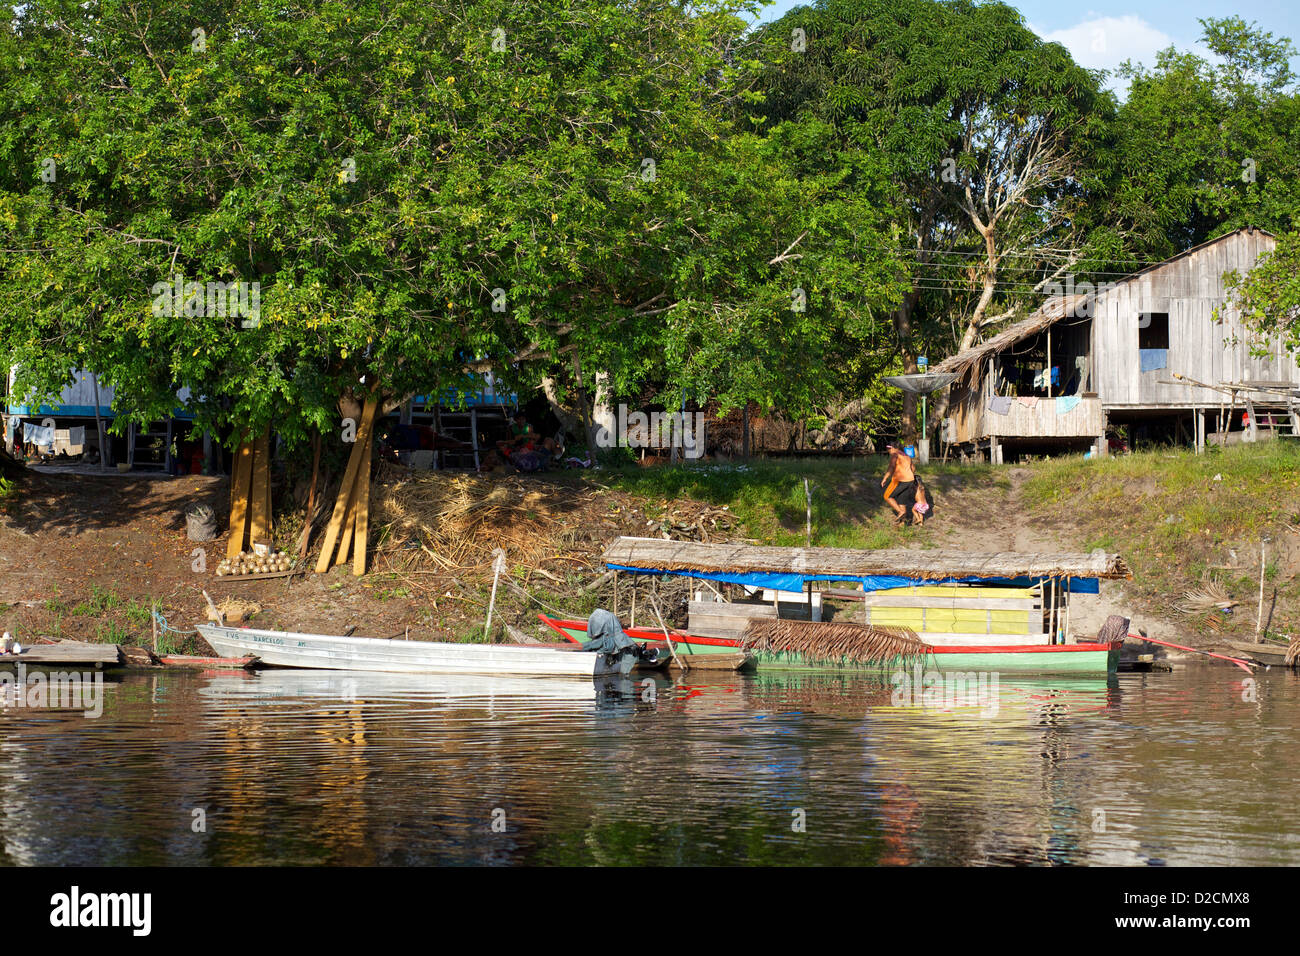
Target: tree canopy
<point>647,189</point>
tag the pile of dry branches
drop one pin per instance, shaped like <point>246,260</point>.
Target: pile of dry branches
<point>834,642</point>
<point>458,521</point>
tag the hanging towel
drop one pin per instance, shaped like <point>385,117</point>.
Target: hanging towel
<point>1029,401</point>
<point>77,436</point>
<point>1151,359</point>
<point>1066,404</point>
<point>1000,404</point>
<point>38,434</point>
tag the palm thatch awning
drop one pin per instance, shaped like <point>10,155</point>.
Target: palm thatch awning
<point>1055,309</point>
<point>651,555</point>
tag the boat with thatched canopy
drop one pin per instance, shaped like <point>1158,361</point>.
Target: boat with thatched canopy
<point>1007,611</point>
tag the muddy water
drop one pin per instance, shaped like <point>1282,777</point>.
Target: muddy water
<point>314,767</point>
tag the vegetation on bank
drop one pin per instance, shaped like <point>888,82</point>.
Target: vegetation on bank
<point>1179,517</point>
<point>1175,516</point>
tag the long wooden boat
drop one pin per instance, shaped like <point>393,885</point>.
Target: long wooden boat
<point>1075,659</point>
<point>320,651</point>
<point>700,653</point>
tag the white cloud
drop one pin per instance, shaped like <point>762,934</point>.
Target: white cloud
<point>1103,43</point>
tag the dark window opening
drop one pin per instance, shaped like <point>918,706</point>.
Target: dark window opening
<point>1153,330</point>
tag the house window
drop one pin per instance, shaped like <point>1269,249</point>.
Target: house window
<point>1153,330</point>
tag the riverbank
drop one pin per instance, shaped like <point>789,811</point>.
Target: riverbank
<point>86,556</point>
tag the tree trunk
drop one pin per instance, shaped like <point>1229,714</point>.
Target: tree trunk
<point>570,421</point>
<point>903,330</point>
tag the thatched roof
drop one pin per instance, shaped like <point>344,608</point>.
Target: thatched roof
<point>1055,309</point>
<point>656,554</point>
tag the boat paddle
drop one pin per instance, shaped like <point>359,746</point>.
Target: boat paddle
<point>1182,647</point>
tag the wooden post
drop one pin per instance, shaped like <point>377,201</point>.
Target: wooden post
<point>167,447</point>
<point>807,494</point>
<point>744,432</point>
<point>130,446</point>
<point>1200,431</point>
<point>1049,361</point>
<point>1263,564</point>
<point>99,426</point>
<point>498,565</point>
<point>473,434</point>
<point>1065,596</point>
<point>153,625</point>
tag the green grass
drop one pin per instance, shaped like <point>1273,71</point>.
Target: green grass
<point>101,601</point>
<point>1167,514</point>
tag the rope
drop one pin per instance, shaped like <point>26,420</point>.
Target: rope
<point>165,627</point>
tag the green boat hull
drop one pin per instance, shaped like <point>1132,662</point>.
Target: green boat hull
<point>1091,659</point>
<point>1099,662</point>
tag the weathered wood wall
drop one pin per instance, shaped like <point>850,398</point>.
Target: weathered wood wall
<point>1042,421</point>
<point>1189,289</point>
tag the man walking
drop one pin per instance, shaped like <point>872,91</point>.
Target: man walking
<point>899,482</point>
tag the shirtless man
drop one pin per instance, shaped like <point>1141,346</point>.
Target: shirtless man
<point>899,482</point>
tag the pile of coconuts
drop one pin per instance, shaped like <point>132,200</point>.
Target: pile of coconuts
<point>250,562</point>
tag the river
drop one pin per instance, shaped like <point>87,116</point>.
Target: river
<point>312,767</point>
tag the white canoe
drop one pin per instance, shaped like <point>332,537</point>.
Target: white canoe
<point>291,649</point>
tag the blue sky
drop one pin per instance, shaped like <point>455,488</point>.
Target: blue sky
<point>1102,35</point>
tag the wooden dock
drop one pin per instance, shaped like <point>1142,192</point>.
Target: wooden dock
<point>66,652</point>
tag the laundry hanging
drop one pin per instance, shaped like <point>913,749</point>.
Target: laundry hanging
<point>1000,404</point>
<point>38,434</point>
<point>1066,404</point>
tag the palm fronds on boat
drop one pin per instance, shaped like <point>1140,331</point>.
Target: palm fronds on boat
<point>1209,596</point>
<point>835,642</point>
<point>1293,653</point>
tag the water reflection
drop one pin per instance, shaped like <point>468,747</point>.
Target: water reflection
<point>784,768</point>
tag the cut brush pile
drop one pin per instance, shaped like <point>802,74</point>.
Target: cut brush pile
<point>458,521</point>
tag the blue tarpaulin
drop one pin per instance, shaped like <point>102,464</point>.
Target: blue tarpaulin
<point>874,582</point>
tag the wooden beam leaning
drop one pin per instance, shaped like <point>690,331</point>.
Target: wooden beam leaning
<point>240,483</point>
<point>363,514</point>
<point>260,496</point>
<point>347,489</point>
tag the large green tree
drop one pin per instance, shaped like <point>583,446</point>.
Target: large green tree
<point>1205,146</point>
<point>985,131</point>
<point>422,191</point>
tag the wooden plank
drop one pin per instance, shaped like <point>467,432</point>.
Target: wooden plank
<point>346,489</point>
<point>963,603</point>
<point>240,482</point>
<point>349,525</point>
<point>260,496</point>
<point>943,639</point>
<point>65,652</point>
<point>363,516</point>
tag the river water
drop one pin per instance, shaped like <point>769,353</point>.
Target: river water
<point>314,767</point>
